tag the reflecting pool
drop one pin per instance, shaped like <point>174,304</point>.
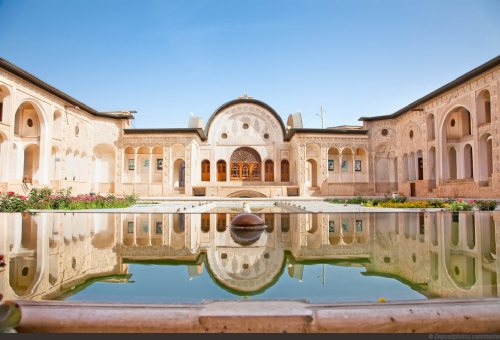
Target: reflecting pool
<point>189,258</point>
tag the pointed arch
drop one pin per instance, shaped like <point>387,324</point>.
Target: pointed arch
<point>5,104</point>
<point>245,164</point>
<point>485,159</point>
<point>104,168</point>
<point>483,108</point>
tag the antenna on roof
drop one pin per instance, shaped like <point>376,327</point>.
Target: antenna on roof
<point>322,117</point>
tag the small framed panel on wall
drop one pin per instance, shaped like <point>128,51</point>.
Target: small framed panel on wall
<point>357,165</point>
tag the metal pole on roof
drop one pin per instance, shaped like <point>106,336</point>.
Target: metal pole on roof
<point>322,117</point>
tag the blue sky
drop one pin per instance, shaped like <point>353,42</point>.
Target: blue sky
<point>166,59</point>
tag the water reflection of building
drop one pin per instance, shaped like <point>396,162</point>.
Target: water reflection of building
<point>440,254</point>
<point>48,254</point>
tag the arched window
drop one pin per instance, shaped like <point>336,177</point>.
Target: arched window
<point>179,223</point>
<point>245,164</point>
<point>104,171</point>
<point>3,156</point>
<point>420,165</point>
<point>143,166</point>
<point>269,171</point>
<point>205,170</point>
<point>27,122</point>
<point>285,171</point>
<point>312,175</point>
<point>4,95</point>
<point>485,160</point>
<point>179,173</point>
<point>456,129</point>
<point>221,171</point>
<point>457,124</point>
<point>221,222</point>
<point>157,164</point>
<point>484,108</point>
<point>205,222</point>
<point>333,160</point>
<point>347,157</point>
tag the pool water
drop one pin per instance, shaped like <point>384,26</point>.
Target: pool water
<point>191,258</point>
<point>317,283</point>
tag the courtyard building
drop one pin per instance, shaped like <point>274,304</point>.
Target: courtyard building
<point>444,144</point>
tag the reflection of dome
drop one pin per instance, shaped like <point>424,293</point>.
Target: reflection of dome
<point>246,270</point>
<point>247,220</point>
<point>246,229</point>
<point>246,235</point>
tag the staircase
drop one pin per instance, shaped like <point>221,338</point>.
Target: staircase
<point>314,191</point>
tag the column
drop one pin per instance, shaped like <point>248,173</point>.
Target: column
<point>188,168</point>
<point>135,229</point>
<point>135,166</point>
<point>323,168</point>
<point>301,168</point>
<point>150,227</point>
<point>340,168</point>
<point>164,231</point>
<point>352,169</point>
<point>150,166</point>
<point>120,231</point>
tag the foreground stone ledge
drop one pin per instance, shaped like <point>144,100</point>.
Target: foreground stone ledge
<point>462,316</point>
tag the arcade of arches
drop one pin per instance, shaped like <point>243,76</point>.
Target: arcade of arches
<point>443,145</point>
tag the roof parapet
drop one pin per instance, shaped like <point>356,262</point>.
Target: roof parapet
<point>462,79</point>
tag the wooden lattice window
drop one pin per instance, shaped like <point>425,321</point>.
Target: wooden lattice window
<point>285,171</point>
<point>245,164</point>
<point>269,171</point>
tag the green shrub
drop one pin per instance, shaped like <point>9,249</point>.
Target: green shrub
<point>11,202</point>
<point>488,205</point>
